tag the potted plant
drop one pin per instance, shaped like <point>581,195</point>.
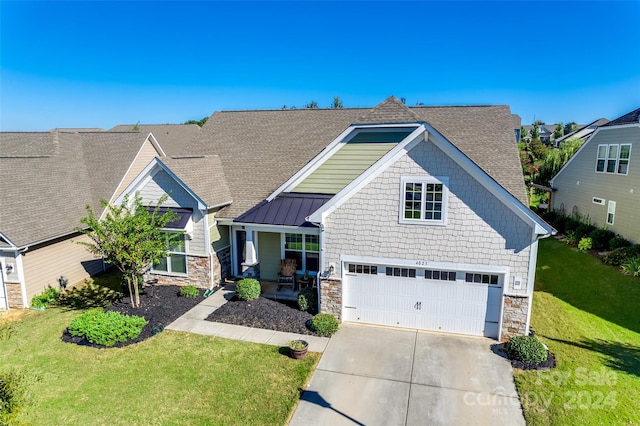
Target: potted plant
<point>298,348</point>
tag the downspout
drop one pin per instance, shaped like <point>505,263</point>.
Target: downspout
<point>209,248</point>
<point>321,255</point>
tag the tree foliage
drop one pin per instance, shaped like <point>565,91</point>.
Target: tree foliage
<point>558,132</point>
<point>130,238</point>
<point>337,103</point>
<point>311,105</point>
<point>556,159</point>
<point>198,122</point>
<point>537,149</point>
<point>570,127</point>
<point>535,131</point>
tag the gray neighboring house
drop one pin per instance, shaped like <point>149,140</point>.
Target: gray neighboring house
<point>47,179</point>
<point>602,180</point>
<point>582,132</point>
<point>404,217</point>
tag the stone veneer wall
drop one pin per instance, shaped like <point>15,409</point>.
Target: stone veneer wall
<point>14,295</point>
<point>331,297</point>
<point>514,316</point>
<point>198,271</point>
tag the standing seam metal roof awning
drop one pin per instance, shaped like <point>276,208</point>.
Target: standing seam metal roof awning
<point>287,209</point>
<point>183,216</point>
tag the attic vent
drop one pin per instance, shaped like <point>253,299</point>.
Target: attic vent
<point>597,200</point>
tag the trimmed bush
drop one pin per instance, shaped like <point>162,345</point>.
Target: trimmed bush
<point>248,289</point>
<point>618,242</point>
<point>189,291</point>
<point>106,328</point>
<point>585,244</point>
<point>585,229</point>
<point>559,223</point>
<point>324,325</point>
<point>616,257</point>
<point>526,349</point>
<point>308,300</point>
<point>48,297</point>
<point>601,238</point>
<point>634,250</point>
<point>89,295</point>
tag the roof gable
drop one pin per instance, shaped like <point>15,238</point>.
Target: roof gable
<point>391,110</point>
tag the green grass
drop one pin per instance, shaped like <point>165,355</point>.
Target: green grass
<point>588,314</point>
<point>171,379</point>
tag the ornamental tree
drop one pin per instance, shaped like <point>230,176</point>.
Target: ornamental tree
<point>130,237</point>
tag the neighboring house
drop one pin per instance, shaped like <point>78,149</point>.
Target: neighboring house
<point>582,132</point>
<point>47,179</point>
<point>173,137</point>
<point>546,132</point>
<point>602,180</point>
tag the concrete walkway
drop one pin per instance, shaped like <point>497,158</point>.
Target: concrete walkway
<point>194,321</point>
<point>382,376</point>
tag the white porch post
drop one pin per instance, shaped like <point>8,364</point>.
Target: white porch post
<point>250,248</point>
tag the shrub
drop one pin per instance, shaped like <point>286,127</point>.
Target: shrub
<point>89,295</point>
<point>48,297</point>
<point>307,300</point>
<point>572,238</point>
<point>632,266</point>
<point>585,229</point>
<point>585,244</point>
<point>106,328</point>
<point>634,250</point>
<point>526,349</point>
<point>189,291</point>
<point>571,224</point>
<point>616,257</point>
<point>13,396</point>
<point>248,289</point>
<point>618,242</point>
<point>324,325</point>
<point>559,223</point>
<point>601,238</point>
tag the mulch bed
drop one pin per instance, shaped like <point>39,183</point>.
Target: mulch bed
<point>160,310</point>
<point>263,313</point>
<point>548,364</point>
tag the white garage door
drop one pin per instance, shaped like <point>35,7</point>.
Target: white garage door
<point>463,302</point>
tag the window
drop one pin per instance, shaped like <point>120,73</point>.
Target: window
<point>400,272</point>
<point>439,275</point>
<point>305,249</point>
<point>597,200</point>
<point>363,269</point>
<point>613,159</point>
<point>176,260</point>
<point>611,212</point>
<point>481,278</point>
<point>424,200</point>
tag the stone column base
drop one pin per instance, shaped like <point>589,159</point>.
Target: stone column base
<point>331,297</point>
<point>514,316</point>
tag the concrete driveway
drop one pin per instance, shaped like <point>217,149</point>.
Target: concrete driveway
<point>381,376</point>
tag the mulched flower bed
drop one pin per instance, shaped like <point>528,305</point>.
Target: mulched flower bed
<point>263,313</point>
<point>160,310</point>
<point>548,364</point>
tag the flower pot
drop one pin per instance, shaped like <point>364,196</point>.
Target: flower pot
<point>298,349</point>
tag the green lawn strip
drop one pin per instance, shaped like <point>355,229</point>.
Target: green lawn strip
<point>583,310</point>
<point>173,378</point>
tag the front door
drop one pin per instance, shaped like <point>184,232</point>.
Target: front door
<point>241,239</point>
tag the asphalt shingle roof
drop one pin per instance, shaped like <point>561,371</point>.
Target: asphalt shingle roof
<point>632,117</point>
<point>260,150</point>
<point>47,179</point>
<point>203,175</point>
<point>173,138</point>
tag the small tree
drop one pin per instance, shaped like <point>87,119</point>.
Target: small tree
<point>537,149</point>
<point>558,132</point>
<point>130,237</point>
<point>198,122</point>
<point>570,127</point>
<point>311,105</point>
<point>337,103</point>
<point>535,131</point>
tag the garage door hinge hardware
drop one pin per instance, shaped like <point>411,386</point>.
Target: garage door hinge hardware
<point>418,306</point>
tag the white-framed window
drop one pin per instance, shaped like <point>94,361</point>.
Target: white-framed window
<point>305,249</point>
<point>613,158</point>
<point>611,212</point>
<point>492,279</point>
<point>423,200</point>
<point>400,272</point>
<point>176,260</point>
<point>358,268</point>
<point>597,200</point>
<point>431,274</point>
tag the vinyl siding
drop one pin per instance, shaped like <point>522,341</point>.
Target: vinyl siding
<point>343,167</point>
<point>578,183</point>
<point>218,234</point>
<point>160,184</point>
<point>147,153</point>
<point>480,229</point>
<point>269,255</point>
<point>43,266</point>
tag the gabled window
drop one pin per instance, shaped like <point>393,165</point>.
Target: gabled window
<point>423,200</point>
<point>613,158</point>
<point>176,260</point>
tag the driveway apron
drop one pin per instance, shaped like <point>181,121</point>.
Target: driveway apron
<point>382,376</point>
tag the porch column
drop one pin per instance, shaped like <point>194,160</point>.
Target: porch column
<point>250,248</point>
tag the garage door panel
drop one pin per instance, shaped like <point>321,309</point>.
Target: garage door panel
<point>439,305</point>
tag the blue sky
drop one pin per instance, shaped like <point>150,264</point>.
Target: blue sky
<point>99,63</point>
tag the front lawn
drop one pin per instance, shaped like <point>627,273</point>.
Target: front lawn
<point>589,316</point>
<point>172,378</point>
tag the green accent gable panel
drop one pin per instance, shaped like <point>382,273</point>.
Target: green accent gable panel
<point>269,255</point>
<point>344,166</point>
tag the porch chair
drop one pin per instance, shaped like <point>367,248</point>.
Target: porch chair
<point>287,274</point>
